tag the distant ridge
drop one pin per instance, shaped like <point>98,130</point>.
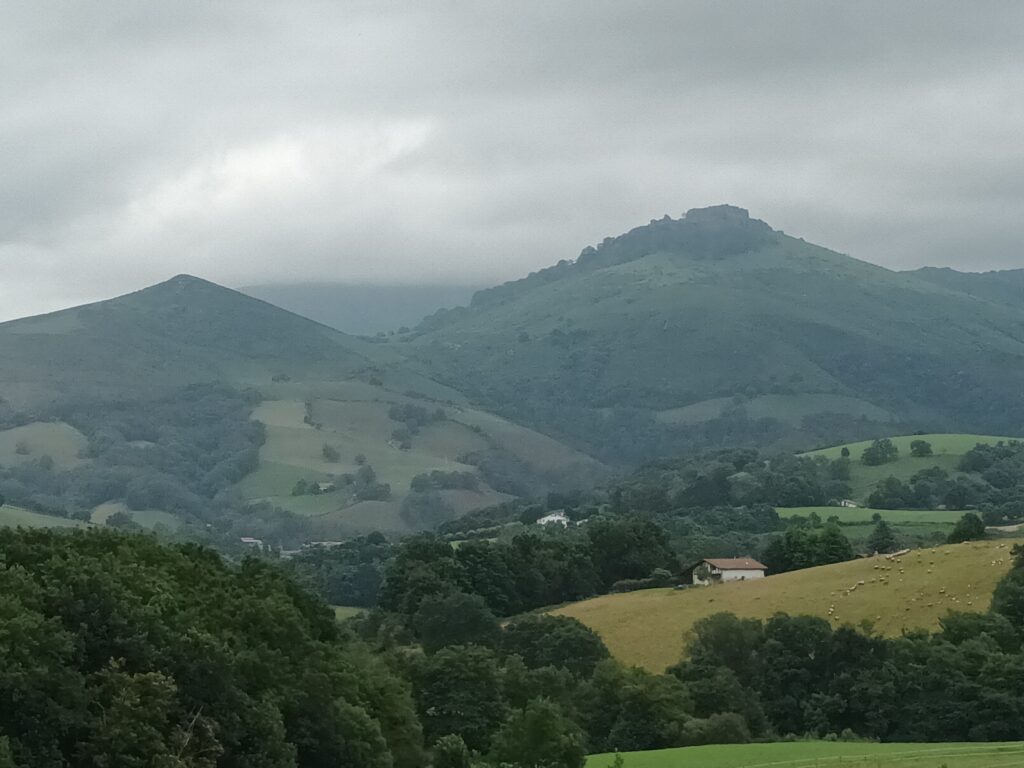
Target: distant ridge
<point>181,331</point>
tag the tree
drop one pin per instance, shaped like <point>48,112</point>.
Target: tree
<point>123,520</point>
<point>920,448</point>
<point>967,528</point>
<point>1008,598</point>
<point>833,546</point>
<point>882,538</point>
<point>458,691</point>
<point>892,493</point>
<point>451,752</point>
<point>454,619</point>
<point>632,709</point>
<point>331,454</point>
<point>554,641</point>
<point>539,736</point>
<point>880,452</point>
<point>845,453</point>
<point>240,667</point>
<point>840,468</point>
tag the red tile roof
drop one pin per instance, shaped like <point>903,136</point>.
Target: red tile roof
<point>736,564</point>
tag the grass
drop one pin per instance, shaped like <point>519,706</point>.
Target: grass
<point>860,515</point>
<point>11,517</point>
<point>342,612</point>
<point>59,441</point>
<point>942,445</point>
<point>147,518</point>
<point>947,452</point>
<point>790,409</point>
<point>647,628</point>
<point>821,754</point>
<point>360,424</point>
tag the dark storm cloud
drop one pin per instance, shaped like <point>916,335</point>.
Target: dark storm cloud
<point>474,141</point>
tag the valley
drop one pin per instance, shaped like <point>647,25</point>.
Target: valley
<point>508,496</point>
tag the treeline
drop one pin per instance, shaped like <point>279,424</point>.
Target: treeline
<point>660,519</point>
<point>530,571</point>
<point>540,692</point>
<point>120,651</point>
<point>123,651</point>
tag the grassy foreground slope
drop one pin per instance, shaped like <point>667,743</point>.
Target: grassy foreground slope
<point>648,628</point>
<point>947,452</point>
<point>819,754</point>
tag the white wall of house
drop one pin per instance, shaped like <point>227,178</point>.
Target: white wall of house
<point>720,577</point>
<point>742,575</point>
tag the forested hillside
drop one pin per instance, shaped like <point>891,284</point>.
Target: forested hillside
<point>190,406</point>
<point>714,329</point>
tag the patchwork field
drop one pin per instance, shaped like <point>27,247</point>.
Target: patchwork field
<point>59,441</point>
<point>947,452</point>
<point>821,754</point>
<point>353,418</point>
<point>13,517</point>
<point>648,628</point>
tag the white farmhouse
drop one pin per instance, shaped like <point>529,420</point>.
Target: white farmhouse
<point>722,569</point>
<point>559,517</point>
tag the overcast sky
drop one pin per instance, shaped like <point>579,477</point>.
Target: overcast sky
<point>475,141</point>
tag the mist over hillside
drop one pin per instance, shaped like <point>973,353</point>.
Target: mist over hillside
<point>363,309</point>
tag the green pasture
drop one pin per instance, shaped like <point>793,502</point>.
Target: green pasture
<point>942,445</point>
<point>14,517</point>
<point>147,518</point>
<point>824,754</point>
<point>790,409</point>
<point>59,441</point>
<point>862,515</point>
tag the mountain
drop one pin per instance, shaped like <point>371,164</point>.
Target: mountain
<point>715,329</point>
<point>1002,287</point>
<point>363,309</point>
<point>144,404</point>
<point>180,332</point>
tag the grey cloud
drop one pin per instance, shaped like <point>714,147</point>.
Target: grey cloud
<point>472,142</point>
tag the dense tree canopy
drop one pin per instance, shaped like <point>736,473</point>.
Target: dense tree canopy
<point>117,650</point>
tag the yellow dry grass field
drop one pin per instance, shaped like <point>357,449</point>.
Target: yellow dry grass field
<point>914,591</point>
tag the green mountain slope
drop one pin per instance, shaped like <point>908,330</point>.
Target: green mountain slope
<point>1003,287</point>
<point>179,332</point>
<point>100,411</point>
<point>714,329</point>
